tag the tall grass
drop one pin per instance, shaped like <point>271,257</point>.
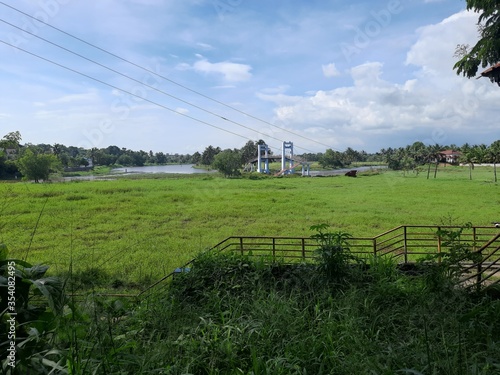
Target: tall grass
<point>232,315</point>
<point>134,230</point>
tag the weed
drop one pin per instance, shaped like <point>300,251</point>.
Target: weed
<point>444,270</point>
<point>333,256</point>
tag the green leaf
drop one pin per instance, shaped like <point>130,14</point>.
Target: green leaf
<point>19,262</point>
<point>53,289</point>
<point>35,272</point>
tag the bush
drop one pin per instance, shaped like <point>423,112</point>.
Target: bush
<point>334,257</point>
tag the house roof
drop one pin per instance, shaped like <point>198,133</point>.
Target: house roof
<point>493,73</point>
<point>450,152</point>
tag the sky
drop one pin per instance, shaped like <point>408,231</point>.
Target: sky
<point>176,76</point>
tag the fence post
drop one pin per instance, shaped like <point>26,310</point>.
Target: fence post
<point>274,249</point>
<point>405,243</point>
<point>479,276</point>
<point>473,238</point>
<point>375,247</point>
<point>439,244</point>
<point>241,245</point>
<point>303,248</point>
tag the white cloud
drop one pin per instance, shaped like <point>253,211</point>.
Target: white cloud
<point>433,52</point>
<point>182,110</point>
<point>432,106</point>
<point>204,46</point>
<point>330,70</point>
<point>231,72</point>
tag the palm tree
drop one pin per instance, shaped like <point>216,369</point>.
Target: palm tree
<point>494,156</point>
<point>472,155</point>
<point>430,155</point>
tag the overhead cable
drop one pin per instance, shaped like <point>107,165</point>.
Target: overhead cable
<point>168,79</point>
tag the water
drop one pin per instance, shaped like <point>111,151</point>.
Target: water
<point>176,168</point>
<point>188,169</point>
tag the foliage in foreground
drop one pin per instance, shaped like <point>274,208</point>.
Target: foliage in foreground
<point>232,314</point>
<point>31,306</point>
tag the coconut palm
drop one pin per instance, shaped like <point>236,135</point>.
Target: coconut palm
<point>431,154</point>
<point>494,156</point>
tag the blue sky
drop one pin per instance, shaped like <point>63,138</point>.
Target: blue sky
<point>322,74</point>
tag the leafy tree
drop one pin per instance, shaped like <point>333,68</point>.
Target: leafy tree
<point>3,158</point>
<point>350,156</point>
<point>36,166</point>
<point>125,159</point>
<point>249,151</point>
<point>331,159</point>
<point>196,158</point>
<point>228,162</point>
<point>487,50</point>
<point>11,140</point>
<point>394,158</point>
<point>160,158</point>
<point>208,155</point>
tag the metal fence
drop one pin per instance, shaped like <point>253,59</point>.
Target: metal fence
<point>406,243</point>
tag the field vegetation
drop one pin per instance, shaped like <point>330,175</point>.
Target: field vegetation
<point>136,229</point>
<point>235,315</point>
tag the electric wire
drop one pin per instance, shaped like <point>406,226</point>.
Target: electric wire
<point>140,82</point>
<point>122,90</point>
<point>168,79</point>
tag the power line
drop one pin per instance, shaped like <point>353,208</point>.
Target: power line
<point>168,79</point>
<point>140,82</point>
<point>122,90</point>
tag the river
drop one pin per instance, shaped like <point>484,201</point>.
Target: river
<point>188,169</point>
<point>173,168</point>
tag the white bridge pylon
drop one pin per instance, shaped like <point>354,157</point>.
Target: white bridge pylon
<point>287,160</point>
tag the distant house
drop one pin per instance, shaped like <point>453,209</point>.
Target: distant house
<point>492,73</point>
<point>449,156</point>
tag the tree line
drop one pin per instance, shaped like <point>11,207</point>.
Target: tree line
<point>38,161</point>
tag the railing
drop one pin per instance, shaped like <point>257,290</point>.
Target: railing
<point>486,272</point>
<point>406,243</point>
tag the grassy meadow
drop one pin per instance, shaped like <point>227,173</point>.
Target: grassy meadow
<point>237,315</point>
<point>136,229</point>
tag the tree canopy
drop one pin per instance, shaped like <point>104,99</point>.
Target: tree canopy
<point>486,52</point>
<point>36,166</point>
<point>228,162</point>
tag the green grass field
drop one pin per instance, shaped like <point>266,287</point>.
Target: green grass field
<point>138,229</point>
<point>236,315</point>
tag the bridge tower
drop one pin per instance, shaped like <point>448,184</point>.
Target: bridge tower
<point>263,159</point>
<point>287,159</point>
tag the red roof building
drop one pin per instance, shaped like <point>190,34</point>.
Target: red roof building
<point>449,156</point>
<point>493,73</point>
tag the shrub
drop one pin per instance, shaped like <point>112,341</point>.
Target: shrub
<point>333,256</point>
<point>31,305</point>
